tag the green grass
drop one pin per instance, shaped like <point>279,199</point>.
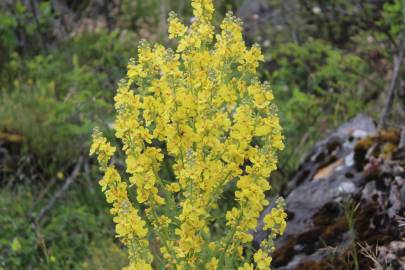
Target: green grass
<point>77,233</point>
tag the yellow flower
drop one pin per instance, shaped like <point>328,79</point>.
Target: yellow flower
<point>173,187</point>
<point>262,260</point>
<point>213,264</point>
<point>140,265</point>
<point>212,245</point>
<point>246,266</point>
<point>162,221</point>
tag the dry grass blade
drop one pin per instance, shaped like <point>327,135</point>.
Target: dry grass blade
<point>366,251</point>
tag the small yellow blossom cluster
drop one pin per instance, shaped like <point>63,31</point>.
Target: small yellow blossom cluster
<point>275,221</point>
<point>193,122</point>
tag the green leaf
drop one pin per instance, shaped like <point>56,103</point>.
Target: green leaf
<point>15,245</point>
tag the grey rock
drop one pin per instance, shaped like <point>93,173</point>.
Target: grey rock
<point>338,179</point>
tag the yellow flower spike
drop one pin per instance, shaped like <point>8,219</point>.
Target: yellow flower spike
<point>193,121</point>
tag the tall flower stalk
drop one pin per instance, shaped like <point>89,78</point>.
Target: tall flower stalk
<point>200,112</point>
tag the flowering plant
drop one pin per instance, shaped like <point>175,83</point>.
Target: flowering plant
<point>200,112</point>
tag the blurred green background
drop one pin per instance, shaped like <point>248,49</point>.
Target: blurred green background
<point>60,61</point>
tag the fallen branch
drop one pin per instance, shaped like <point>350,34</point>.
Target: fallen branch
<point>69,181</point>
